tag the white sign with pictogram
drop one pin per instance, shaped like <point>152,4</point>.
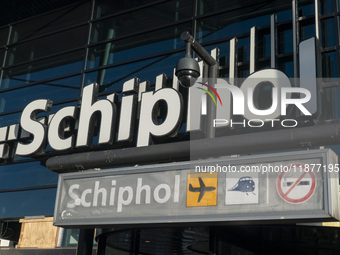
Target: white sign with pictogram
<point>178,193</point>
<point>242,188</point>
<point>297,184</point>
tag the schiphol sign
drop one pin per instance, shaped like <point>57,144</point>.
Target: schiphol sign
<point>286,186</point>
<point>74,126</point>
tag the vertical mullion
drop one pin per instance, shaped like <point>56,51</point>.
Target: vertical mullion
<point>87,47</point>
<point>6,47</point>
<point>318,39</point>
<point>194,14</point>
<point>5,54</point>
<point>232,61</point>
<point>336,21</point>
<point>5,57</point>
<point>317,19</point>
<point>295,37</point>
<point>252,50</point>
<point>273,45</point>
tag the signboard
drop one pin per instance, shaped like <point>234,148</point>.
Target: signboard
<point>297,186</point>
<point>71,127</point>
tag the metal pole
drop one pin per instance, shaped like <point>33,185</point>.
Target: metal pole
<point>198,48</point>
<point>295,37</point>
<point>273,34</point>
<point>211,107</point>
<point>85,242</point>
<point>105,57</point>
<point>252,64</point>
<point>212,77</point>
<point>232,61</point>
<point>188,50</point>
<point>213,242</point>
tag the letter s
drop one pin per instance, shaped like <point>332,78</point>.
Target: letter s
<point>30,124</point>
<point>73,196</point>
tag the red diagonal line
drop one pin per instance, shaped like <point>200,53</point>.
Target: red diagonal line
<point>213,90</point>
<point>295,183</point>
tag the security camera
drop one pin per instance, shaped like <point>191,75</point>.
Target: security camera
<point>187,71</point>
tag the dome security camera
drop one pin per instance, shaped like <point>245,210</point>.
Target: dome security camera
<point>187,71</point>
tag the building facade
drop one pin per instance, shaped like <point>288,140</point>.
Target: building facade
<point>55,50</point>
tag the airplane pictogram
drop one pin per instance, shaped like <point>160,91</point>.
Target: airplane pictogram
<point>201,189</point>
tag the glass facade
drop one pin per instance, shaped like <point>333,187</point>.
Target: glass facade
<point>53,53</point>
<point>235,240</point>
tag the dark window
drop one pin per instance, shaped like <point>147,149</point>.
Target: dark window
<point>141,20</point>
<point>26,171</point>
<point>286,65</point>
<point>103,7</point>
<point>331,109</point>
<point>224,50</point>
<point>69,237</point>
<point>208,6</point>
<point>4,36</point>
<point>137,46</point>
<point>285,39</point>
<point>306,8</point>
<point>328,38</point>
<point>49,45</point>
<point>326,6</point>
<point>243,54</point>
<point>113,78</point>
<point>329,65</point>
<point>307,30</point>
<point>51,22</point>
<point>228,25</point>
<point>58,90</point>
<point>263,45</point>
<point>9,119</point>
<point>27,203</point>
<point>283,16</point>
<point>43,69</point>
<point>2,54</point>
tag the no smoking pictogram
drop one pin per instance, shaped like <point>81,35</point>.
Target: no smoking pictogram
<point>296,185</point>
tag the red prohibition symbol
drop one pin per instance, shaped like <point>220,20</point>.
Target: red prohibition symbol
<point>296,187</point>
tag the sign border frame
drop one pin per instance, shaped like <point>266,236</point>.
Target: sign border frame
<point>330,211</point>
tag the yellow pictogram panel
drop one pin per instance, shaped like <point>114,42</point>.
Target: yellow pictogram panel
<point>202,189</point>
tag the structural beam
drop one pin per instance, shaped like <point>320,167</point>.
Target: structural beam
<point>284,139</point>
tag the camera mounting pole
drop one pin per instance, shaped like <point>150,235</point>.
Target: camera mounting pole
<point>212,75</point>
<point>198,49</point>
